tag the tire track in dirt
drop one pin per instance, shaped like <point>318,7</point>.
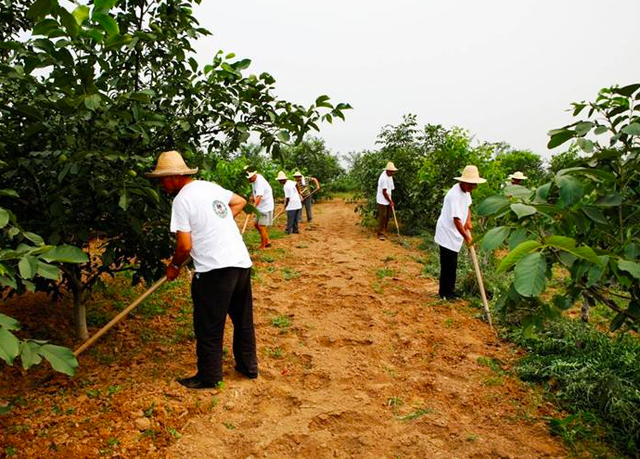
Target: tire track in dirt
<point>369,367</point>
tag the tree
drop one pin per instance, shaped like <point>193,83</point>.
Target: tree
<point>77,132</point>
<point>586,219</point>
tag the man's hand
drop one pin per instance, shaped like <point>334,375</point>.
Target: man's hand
<point>468,238</point>
<point>468,226</point>
<point>172,272</point>
<point>392,204</point>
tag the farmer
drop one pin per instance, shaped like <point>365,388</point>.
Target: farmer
<point>383,198</point>
<point>262,198</point>
<point>454,227</point>
<point>292,202</point>
<point>517,178</point>
<point>304,188</point>
<point>202,216</point>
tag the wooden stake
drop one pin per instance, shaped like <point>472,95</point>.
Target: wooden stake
<point>476,266</point>
<point>244,227</point>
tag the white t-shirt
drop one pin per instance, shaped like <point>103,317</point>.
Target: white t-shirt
<point>260,187</point>
<point>202,209</point>
<point>291,192</point>
<point>384,182</point>
<point>456,205</point>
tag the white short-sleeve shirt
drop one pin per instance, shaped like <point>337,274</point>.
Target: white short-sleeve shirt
<point>202,209</point>
<point>456,205</point>
<point>384,182</point>
<point>260,187</point>
<point>291,192</point>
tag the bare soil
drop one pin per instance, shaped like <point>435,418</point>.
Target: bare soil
<point>358,358</point>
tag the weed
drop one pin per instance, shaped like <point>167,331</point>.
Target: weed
<point>275,352</point>
<point>493,364</point>
<point>381,273</point>
<point>214,402</point>
<point>388,258</point>
<point>229,425</point>
<point>93,393</point>
<point>288,273</point>
<point>149,433</point>
<point>396,402</point>
<point>111,390</point>
<point>493,381</point>
<point>390,313</point>
<point>282,322</point>
<point>472,437</point>
<point>173,432</point>
<point>377,287</point>
<point>10,451</point>
<point>267,258</point>
<point>449,323</point>
<point>148,412</point>
<point>113,441</point>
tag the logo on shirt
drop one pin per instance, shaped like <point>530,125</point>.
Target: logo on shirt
<point>220,209</point>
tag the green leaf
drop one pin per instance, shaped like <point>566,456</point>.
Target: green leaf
<point>559,138</point>
<point>517,237</point>
<point>107,23</point>
<point>617,322</point>
<point>81,14</point>
<point>627,91</point>
<point>9,346</point>
<point>125,200</point>
<point>39,9</point>
<point>492,205</point>
<point>632,129</point>
<point>9,322</point>
<point>571,190</point>
<point>69,22</point>
<point>92,101</point>
<point>33,237</point>
<point>569,245</point>
<point>27,266</point>
<point>632,251</point>
<point>585,145</point>
<point>517,191</point>
<point>283,136</point>
<point>4,217</point>
<point>610,200</point>
<point>494,237</point>
<point>65,254</point>
<point>530,275</point>
<point>523,210</point>
<point>45,26</point>
<point>29,354</point>
<point>104,5</point>
<point>596,271</point>
<point>516,254</point>
<point>117,41</point>
<point>595,214</point>
<point>60,358</point>
<point>630,266</point>
<point>48,271</point>
<point>8,192</point>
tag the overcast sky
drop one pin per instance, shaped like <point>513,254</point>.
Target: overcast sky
<point>506,70</point>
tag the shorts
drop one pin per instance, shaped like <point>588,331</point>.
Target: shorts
<point>265,218</point>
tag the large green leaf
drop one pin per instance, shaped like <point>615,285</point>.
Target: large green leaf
<point>92,101</point>
<point>9,346</point>
<point>516,254</point>
<point>37,240</point>
<point>571,190</point>
<point>39,9</point>
<point>518,191</point>
<point>517,237</point>
<point>69,22</point>
<point>595,214</point>
<point>530,275</point>
<point>494,237</point>
<point>523,210</point>
<point>4,217</point>
<point>60,358</point>
<point>632,129</point>
<point>9,322</point>
<point>613,199</point>
<point>630,267</point>
<point>569,245</point>
<point>81,14</point>
<point>27,267</point>
<point>492,205</point>
<point>559,138</point>
<point>29,354</point>
<point>48,271</point>
<point>107,23</point>
<point>65,254</point>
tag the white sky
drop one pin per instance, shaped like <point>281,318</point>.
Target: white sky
<point>506,70</point>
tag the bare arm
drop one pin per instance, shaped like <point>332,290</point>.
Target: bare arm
<point>461,229</point>
<point>387,197</point>
<point>256,200</point>
<point>315,180</point>
<point>183,249</point>
<point>468,224</point>
<point>237,203</point>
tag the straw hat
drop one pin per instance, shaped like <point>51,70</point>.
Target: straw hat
<point>390,167</point>
<point>171,163</point>
<point>281,176</point>
<point>250,173</point>
<point>470,174</point>
<point>518,175</point>
<point>297,174</point>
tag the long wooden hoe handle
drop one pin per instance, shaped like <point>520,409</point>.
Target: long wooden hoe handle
<point>123,314</point>
<point>244,227</point>
<point>476,266</point>
<point>393,209</point>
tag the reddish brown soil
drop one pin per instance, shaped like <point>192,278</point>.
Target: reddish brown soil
<point>370,365</point>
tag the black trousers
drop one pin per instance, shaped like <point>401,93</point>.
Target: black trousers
<point>448,266</point>
<point>293,217</point>
<point>215,294</point>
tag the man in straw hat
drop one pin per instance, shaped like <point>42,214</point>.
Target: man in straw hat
<point>454,227</point>
<point>517,178</point>
<point>383,198</point>
<point>202,216</point>
<point>304,188</point>
<point>292,202</point>
<point>262,198</point>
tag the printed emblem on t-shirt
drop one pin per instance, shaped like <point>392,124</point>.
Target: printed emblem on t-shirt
<point>220,209</point>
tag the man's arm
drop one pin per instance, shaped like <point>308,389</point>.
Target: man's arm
<point>286,203</point>
<point>468,224</point>
<point>315,180</point>
<point>387,197</point>
<point>461,229</point>
<point>237,203</point>
<point>183,249</point>
<point>256,200</point>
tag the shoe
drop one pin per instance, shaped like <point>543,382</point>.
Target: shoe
<point>296,232</point>
<point>381,237</point>
<point>246,373</point>
<point>196,383</point>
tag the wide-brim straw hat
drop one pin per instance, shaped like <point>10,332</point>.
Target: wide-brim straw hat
<point>171,163</point>
<point>390,167</point>
<point>518,175</point>
<point>282,176</point>
<point>470,174</point>
<point>251,174</point>
<point>297,174</point>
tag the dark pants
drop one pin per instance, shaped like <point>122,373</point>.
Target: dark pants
<point>293,216</point>
<point>215,294</point>
<point>383,218</point>
<point>307,209</point>
<point>448,266</point>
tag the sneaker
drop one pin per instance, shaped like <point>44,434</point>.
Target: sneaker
<point>196,383</point>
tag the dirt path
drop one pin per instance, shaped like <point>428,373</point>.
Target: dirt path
<point>359,359</point>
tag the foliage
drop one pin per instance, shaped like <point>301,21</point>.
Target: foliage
<point>529,163</point>
<point>77,133</point>
<point>591,373</point>
<point>585,220</point>
<point>428,159</point>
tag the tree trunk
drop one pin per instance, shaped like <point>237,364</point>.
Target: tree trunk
<point>584,310</point>
<point>80,315</point>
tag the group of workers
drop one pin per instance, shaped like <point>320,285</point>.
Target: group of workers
<point>203,218</point>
